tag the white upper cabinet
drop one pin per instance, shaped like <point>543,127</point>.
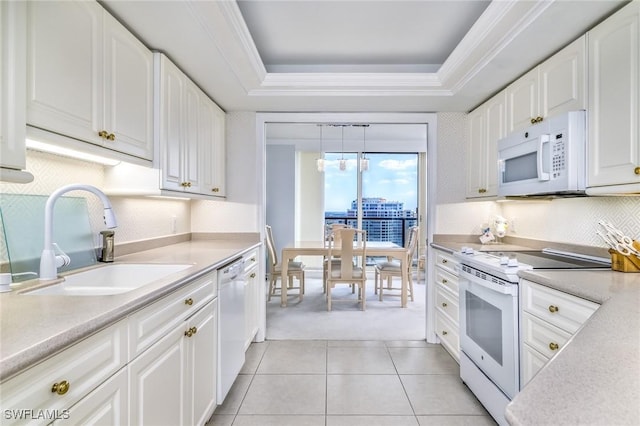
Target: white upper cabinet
<point>12,91</point>
<point>614,110</point>
<point>553,87</point>
<point>190,138</point>
<point>88,77</point>
<point>487,124</point>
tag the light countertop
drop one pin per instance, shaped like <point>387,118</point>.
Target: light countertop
<point>595,378</point>
<point>36,327</point>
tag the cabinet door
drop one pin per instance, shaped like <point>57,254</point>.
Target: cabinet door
<point>191,145</point>
<point>614,96</point>
<point>562,80</point>
<point>201,394</point>
<point>128,88</point>
<point>106,405</point>
<point>496,127</point>
<point>64,75</point>
<point>212,145</point>
<point>157,381</point>
<point>12,84</point>
<point>522,101</point>
<point>531,361</point>
<point>251,296</point>
<point>475,152</point>
<point>171,133</point>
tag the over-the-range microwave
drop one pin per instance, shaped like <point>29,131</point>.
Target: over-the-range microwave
<point>547,158</point>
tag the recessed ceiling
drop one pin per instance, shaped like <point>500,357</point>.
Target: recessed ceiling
<point>357,36</point>
<point>360,55</point>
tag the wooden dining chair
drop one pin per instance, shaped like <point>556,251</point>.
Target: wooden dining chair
<point>334,236</point>
<point>389,269</point>
<point>347,264</point>
<point>274,270</point>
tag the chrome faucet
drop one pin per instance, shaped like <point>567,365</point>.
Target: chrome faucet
<point>50,261</point>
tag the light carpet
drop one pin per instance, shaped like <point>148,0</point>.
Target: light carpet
<point>309,319</point>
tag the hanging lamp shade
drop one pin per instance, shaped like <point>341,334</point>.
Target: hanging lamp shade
<point>364,161</point>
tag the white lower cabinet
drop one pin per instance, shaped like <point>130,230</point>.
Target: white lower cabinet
<point>548,319</point>
<point>445,277</point>
<point>106,405</point>
<point>48,390</point>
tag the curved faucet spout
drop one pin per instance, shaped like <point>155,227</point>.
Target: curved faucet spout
<point>49,261</point>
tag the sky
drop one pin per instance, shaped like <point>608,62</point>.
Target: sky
<point>390,176</point>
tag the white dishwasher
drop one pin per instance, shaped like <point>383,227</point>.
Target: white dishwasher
<point>230,325</point>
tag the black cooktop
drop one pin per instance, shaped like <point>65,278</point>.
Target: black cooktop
<point>547,260</point>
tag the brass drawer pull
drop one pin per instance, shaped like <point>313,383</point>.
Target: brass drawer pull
<point>444,333</point>
<point>444,260</point>
<point>60,388</point>
<point>253,275</point>
<point>189,301</point>
<point>190,332</point>
<point>444,305</point>
<point>444,281</point>
<point>103,134</point>
<point>636,170</point>
<point>553,308</point>
<point>553,346</point>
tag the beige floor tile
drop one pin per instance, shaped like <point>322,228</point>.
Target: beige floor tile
<point>359,360</point>
<point>366,395</point>
<point>235,396</point>
<point>355,343</point>
<point>440,394</point>
<point>433,360</point>
<point>285,394</point>
<point>221,420</point>
<point>259,420</point>
<point>456,421</point>
<point>294,357</point>
<point>410,344</point>
<point>253,356</point>
<point>372,421</point>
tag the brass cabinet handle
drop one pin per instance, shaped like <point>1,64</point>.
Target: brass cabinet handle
<point>111,137</point>
<point>553,346</point>
<point>444,281</point>
<point>444,333</point>
<point>186,184</point>
<point>444,305</point>
<point>103,134</point>
<point>60,388</point>
<point>482,190</point>
<point>215,189</point>
<point>253,275</point>
<point>253,259</point>
<point>444,260</point>
<point>188,333</point>
<point>536,120</point>
<point>194,329</point>
<point>553,308</point>
<point>636,170</point>
<point>189,301</point>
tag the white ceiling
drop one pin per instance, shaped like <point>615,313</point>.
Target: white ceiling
<point>360,55</point>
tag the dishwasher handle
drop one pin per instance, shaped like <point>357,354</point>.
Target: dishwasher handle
<point>231,272</point>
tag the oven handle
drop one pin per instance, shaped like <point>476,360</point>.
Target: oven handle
<point>511,290</point>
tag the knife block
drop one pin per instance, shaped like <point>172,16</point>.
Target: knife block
<point>622,263</point>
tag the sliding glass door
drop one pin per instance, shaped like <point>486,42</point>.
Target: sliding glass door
<point>382,200</point>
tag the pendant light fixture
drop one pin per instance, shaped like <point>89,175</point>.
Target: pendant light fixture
<point>320,160</point>
<point>364,161</point>
<point>343,162</point>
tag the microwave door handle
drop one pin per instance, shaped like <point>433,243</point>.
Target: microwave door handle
<point>544,140</point>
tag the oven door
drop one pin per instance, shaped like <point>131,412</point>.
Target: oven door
<point>489,330</point>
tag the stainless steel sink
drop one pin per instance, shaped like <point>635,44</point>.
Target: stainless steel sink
<point>110,279</point>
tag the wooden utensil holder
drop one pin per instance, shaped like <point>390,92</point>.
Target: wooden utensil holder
<point>622,263</point>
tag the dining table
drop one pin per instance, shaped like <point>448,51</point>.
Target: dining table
<point>386,249</point>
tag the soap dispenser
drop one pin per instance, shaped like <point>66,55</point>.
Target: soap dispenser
<point>107,245</point>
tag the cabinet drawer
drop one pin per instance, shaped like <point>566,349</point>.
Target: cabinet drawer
<point>531,361</point>
<point>560,309</point>
<point>542,336</point>
<point>447,304</point>
<point>250,260</point>
<point>82,366</point>
<point>447,279</point>
<point>448,334</point>
<point>156,320</point>
<point>447,262</point>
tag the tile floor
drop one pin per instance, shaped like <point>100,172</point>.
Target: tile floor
<point>339,383</point>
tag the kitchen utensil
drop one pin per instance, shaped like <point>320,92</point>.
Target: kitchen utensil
<point>617,240</point>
